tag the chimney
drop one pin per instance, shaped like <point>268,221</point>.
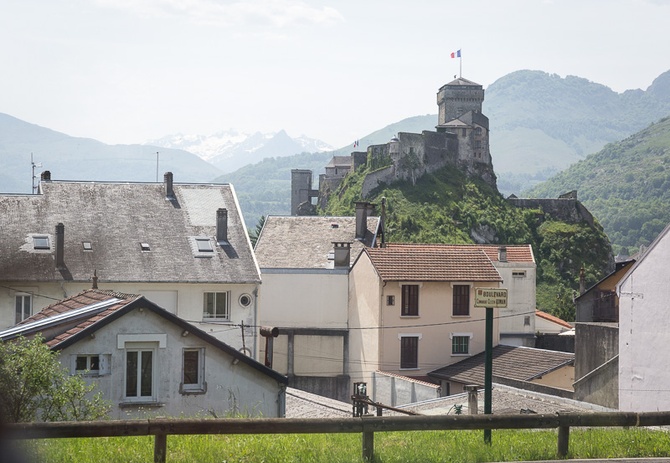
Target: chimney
<point>502,254</point>
<point>222,225</point>
<point>582,281</point>
<point>95,279</point>
<point>361,219</point>
<point>167,181</point>
<point>342,254</point>
<point>60,245</point>
<point>45,176</point>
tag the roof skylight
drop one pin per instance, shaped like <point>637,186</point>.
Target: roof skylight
<point>41,242</point>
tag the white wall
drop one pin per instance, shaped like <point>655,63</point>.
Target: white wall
<point>520,299</point>
<point>189,304</point>
<point>230,386</point>
<point>644,332</point>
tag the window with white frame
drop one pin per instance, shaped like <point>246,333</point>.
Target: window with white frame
<point>460,343</point>
<point>140,374</point>
<point>216,305</point>
<point>91,364</point>
<point>24,306</point>
<point>193,371</point>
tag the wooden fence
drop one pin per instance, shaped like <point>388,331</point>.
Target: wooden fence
<point>367,426</point>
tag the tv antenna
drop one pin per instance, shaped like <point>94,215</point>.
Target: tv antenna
<point>33,165</point>
<point>157,157</point>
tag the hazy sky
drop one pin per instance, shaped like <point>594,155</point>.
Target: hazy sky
<point>125,71</point>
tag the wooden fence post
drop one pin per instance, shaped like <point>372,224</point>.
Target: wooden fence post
<point>160,447</point>
<point>563,440</point>
<point>368,446</point>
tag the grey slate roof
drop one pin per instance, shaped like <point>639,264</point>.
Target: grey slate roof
<point>517,363</point>
<point>115,218</point>
<point>305,242</point>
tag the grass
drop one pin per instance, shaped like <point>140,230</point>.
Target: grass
<point>390,447</point>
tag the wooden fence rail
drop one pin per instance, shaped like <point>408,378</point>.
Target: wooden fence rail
<point>367,426</point>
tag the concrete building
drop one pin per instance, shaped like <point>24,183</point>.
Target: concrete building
<point>305,263</point>
<point>183,246</point>
<point>644,331</point>
<point>146,361</point>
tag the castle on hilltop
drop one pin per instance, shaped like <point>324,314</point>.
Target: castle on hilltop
<point>460,139</point>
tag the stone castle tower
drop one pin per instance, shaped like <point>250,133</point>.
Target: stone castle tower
<point>460,139</point>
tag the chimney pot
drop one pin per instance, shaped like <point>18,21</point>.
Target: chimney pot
<point>222,225</point>
<point>361,219</point>
<point>341,254</point>
<point>45,176</point>
<point>60,245</point>
<point>167,181</point>
<point>502,254</point>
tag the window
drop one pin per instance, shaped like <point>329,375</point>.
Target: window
<point>204,245</point>
<point>245,300</point>
<point>140,374</point>
<point>390,300</point>
<point>24,306</point>
<point>87,364</point>
<point>464,132</point>
<point>87,246</point>
<point>41,242</point>
<point>519,274</point>
<point>410,300</point>
<point>145,247</point>
<point>460,345</point>
<point>409,352</point>
<point>216,305</point>
<point>461,302</point>
<point>193,371</point>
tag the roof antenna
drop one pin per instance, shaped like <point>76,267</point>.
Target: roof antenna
<point>33,164</point>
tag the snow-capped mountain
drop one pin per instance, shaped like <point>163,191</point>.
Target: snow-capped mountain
<point>231,149</point>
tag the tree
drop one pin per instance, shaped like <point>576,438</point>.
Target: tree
<point>34,386</point>
<point>253,234</point>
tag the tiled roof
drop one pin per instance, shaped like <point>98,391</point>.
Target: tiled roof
<point>305,242</point>
<point>427,262</point>
<point>553,319</point>
<point>517,363</point>
<point>69,330</point>
<point>340,161</point>
<point>115,218</point>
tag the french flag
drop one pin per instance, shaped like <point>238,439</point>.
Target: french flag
<point>456,54</point>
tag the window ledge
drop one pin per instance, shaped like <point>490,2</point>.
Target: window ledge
<point>199,390</point>
<point>215,320</point>
<point>141,404</point>
<point>410,369</point>
<point>462,316</point>
<point>409,316</point>
<point>460,355</point>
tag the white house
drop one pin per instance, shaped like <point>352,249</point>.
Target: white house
<point>183,246</point>
<point>146,361</point>
<point>644,331</point>
<point>305,262</point>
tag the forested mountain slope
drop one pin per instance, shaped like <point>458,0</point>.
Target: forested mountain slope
<point>626,185</point>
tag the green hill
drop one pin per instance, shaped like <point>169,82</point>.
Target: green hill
<point>626,185</point>
<point>448,207</point>
<point>542,123</point>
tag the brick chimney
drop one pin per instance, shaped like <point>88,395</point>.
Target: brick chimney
<point>167,181</point>
<point>502,254</point>
<point>341,254</point>
<point>222,225</point>
<point>361,219</point>
<point>60,245</point>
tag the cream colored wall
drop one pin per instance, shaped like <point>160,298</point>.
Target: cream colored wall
<point>542,325</point>
<point>520,298</point>
<point>304,300</point>
<point>189,298</point>
<point>561,378</point>
<point>365,320</point>
<point>435,325</point>
<point>230,385</point>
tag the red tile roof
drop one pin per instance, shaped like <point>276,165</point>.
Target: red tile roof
<point>428,262</point>
<point>553,319</point>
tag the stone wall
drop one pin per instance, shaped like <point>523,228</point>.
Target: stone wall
<point>595,344</point>
<point>396,390</point>
<point>334,387</point>
<point>567,210</point>
<point>600,386</point>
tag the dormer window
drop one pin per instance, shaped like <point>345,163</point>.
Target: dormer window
<point>145,247</point>
<point>41,242</point>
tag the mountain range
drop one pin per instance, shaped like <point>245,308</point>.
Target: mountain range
<point>229,150</point>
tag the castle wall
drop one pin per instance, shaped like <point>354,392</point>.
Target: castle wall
<point>567,209</point>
